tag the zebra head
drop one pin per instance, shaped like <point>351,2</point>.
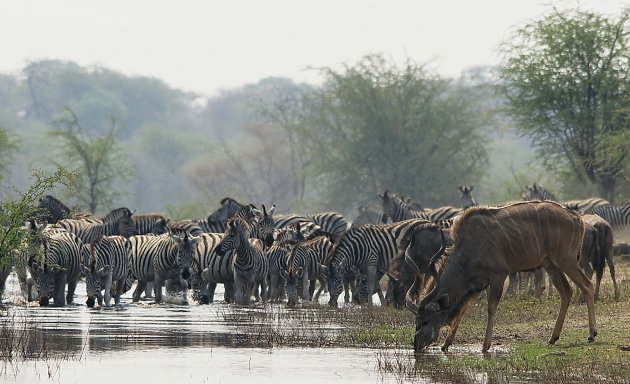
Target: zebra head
<point>266,226</point>
<point>335,282</point>
<point>228,210</point>
<point>93,282</point>
<point>236,233</point>
<point>186,249</point>
<point>466,196</point>
<point>293,279</point>
<point>45,278</point>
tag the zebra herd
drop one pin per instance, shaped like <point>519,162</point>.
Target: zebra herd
<point>256,253</point>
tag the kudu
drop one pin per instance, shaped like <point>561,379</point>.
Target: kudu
<point>491,243</point>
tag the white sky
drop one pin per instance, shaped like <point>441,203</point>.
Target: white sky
<point>205,46</point>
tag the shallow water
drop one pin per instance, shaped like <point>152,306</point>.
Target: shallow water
<point>216,343</point>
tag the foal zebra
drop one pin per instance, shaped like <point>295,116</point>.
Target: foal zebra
<point>156,259</point>
<point>250,263</point>
<point>108,262</point>
<point>58,266</point>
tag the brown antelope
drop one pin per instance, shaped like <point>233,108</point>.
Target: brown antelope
<point>491,243</point>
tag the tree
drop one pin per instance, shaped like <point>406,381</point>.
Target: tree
<point>376,126</point>
<point>14,212</point>
<point>7,147</point>
<point>566,79</point>
<point>100,163</point>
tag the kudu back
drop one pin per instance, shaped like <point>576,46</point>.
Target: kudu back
<point>491,243</point>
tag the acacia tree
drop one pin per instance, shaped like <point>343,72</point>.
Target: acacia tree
<point>566,79</point>
<point>376,125</point>
<point>99,162</point>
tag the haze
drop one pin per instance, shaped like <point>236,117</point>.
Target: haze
<point>207,46</point>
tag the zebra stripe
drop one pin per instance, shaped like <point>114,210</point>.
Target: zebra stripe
<point>58,265</point>
<point>397,210</point>
<point>108,262</point>
<point>209,269</point>
<point>150,223</point>
<point>117,222</point>
<point>156,259</point>
<point>618,216</point>
<point>250,264</point>
<point>537,192</point>
<point>370,214</point>
<point>586,206</point>
<point>277,257</point>
<point>368,249</point>
<point>305,266</point>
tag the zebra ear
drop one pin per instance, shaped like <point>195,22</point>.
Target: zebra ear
<point>205,274</point>
<point>264,210</point>
<point>300,272</point>
<point>104,271</point>
<point>284,273</point>
<point>84,270</point>
<point>272,210</point>
<point>470,187</point>
<point>323,269</point>
<point>177,239</point>
<point>461,188</point>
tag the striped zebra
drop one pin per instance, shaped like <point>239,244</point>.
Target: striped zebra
<point>209,269</point>
<point>57,266</point>
<point>53,210</point>
<point>600,252</point>
<point>465,194</point>
<point>369,250</point>
<point>537,192</point>
<point>305,267</point>
<point>117,222</point>
<point>108,262</point>
<point>584,206</point>
<point>150,223</point>
<point>370,214</point>
<point>156,259</point>
<point>250,263</point>
<point>618,216</point>
<point>331,222</point>
<point>277,256</point>
<point>397,210</point>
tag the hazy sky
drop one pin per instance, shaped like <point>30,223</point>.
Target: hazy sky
<point>204,46</point>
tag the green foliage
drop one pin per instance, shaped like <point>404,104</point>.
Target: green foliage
<point>376,126</point>
<point>14,213</point>
<point>100,162</point>
<point>566,83</point>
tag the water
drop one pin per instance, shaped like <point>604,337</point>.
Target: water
<point>214,343</point>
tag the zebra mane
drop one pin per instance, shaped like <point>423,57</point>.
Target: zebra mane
<point>116,214</point>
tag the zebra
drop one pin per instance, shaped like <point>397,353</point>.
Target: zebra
<point>209,269</point>
<point>397,210</point>
<point>305,264</point>
<point>156,259</point>
<point>370,214</point>
<point>537,192</point>
<point>53,210</point>
<point>150,223</point>
<point>368,249</point>
<point>117,222</point>
<point>331,222</point>
<point>277,257</point>
<point>466,196</point>
<point>108,262</point>
<point>618,216</point>
<point>584,206</point>
<point>57,266</point>
<point>250,263</point>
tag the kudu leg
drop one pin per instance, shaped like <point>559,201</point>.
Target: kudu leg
<point>452,330</point>
<point>565,291</point>
<point>586,286</point>
<point>495,291</point>
<point>611,266</point>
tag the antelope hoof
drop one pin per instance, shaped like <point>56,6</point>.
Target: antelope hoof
<point>591,339</point>
<point>553,339</point>
<point>445,348</point>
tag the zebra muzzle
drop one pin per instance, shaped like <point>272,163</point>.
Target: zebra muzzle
<point>90,302</point>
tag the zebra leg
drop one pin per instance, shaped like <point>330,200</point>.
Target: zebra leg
<point>108,287</point>
<point>61,279</point>
<point>157,289</point>
<point>263,290</point>
<point>230,294</point>
<point>140,287</point>
<point>322,286</point>
<point>311,289</point>
<point>120,286</point>
<point>148,291</point>
<point>184,287</point>
<point>210,291</point>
